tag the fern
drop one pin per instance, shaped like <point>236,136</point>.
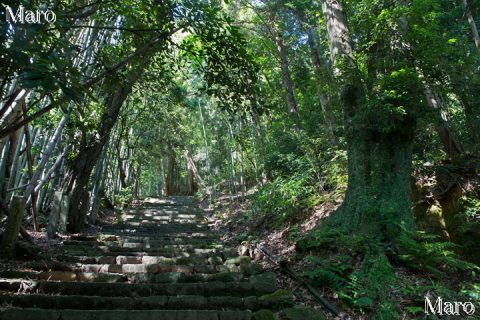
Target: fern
<point>327,278</point>
<point>427,252</point>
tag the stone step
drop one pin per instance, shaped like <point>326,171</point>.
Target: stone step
<point>170,228</point>
<point>155,237</point>
<point>166,252</point>
<point>194,218</point>
<point>158,235</point>
<point>174,277</point>
<point>84,256</point>
<point>146,224</point>
<point>119,289</point>
<point>64,276</point>
<point>185,259</point>
<point>68,314</point>
<point>164,277</point>
<point>182,302</point>
<point>144,245</point>
<point>146,268</point>
<point>159,215</point>
<point>159,261</point>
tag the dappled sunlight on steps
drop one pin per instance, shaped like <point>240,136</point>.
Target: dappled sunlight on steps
<point>157,261</point>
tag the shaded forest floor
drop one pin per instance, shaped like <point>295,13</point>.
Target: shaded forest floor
<point>229,216</point>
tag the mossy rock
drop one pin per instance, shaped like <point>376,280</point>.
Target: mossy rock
<point>279,299</point>
<point>303,313</point>
<point>264,281</point>
<point>264,315</point>
<point>227,276</point>
<point>251,268</point>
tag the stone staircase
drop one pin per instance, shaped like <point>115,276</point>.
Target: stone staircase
<point>157,261</point>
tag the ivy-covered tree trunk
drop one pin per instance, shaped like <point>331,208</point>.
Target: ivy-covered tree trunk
<point>378,198</point>
<point>378,195</point>
<point>380,132</point>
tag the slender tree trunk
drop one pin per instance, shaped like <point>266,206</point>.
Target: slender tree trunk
<point>98,182</point>
<point>450,143</point>
<point>30,173</point>
<point>3,165</point>
<point>80,169</point>
<point>471,108</point>
<point>471,22</point>
<point>287,78</point>
<point>47,153</point>
<point>323,96</point>
<point>168,180</point>
<point>15,171</point>
<point>193,177</point>
<point>13,145</point>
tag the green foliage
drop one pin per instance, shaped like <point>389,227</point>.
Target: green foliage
<point>328,273</point>
<point>285,198</point>
<point>125,197</point>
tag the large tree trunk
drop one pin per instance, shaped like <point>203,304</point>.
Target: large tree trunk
<point>377,205</point>
<point>377,202</point>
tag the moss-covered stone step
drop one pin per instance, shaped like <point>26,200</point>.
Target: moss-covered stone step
<point>144,245</point>
<point>67,255</point>
<point>146,259</point>
<point>150,237</point>
<point>132,232</point>
<point>157,268</point>
<point>173,277</point>
<point>69,314</point>
<point>167,266</point>
<point>64,276</point>
<point>181,302</point>
<point>166,252</point>
<point>118,289</point>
